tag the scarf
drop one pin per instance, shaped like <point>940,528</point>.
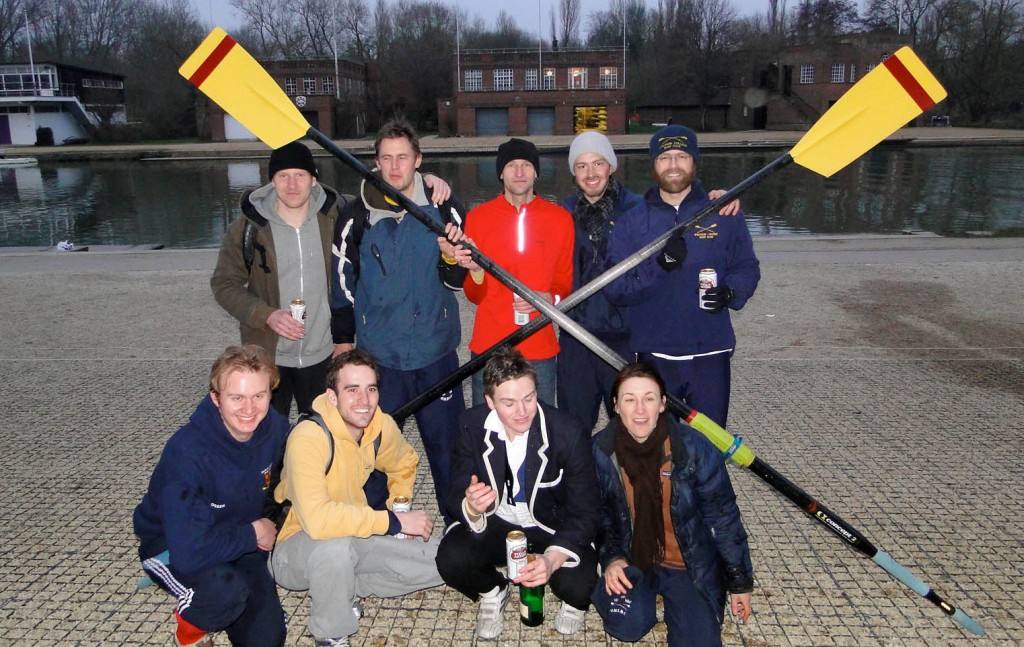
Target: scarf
<point>592,217</point>
<point>642,464</point>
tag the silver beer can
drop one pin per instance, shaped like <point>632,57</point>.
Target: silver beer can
<point>521,318</point>
<point>401,504</point>
<point>298,310</point>
<point>707,279</point>
<point>515,551</point>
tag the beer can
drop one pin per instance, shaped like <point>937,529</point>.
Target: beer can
<point>298,310</point>
<point>515,550</point>
<point>401,504</point>
<point>521,318</point>
<point>707,279</point>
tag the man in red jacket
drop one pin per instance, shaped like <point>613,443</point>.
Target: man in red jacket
<point>532,239</point>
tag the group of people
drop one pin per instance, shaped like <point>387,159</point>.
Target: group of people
<point>348,307</point>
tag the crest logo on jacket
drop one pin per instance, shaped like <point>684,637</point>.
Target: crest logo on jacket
<point>706,233</point>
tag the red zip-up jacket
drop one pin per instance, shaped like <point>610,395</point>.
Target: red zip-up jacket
<point>535,244</point>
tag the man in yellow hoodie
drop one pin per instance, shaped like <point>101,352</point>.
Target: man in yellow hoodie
<point>332,542</point>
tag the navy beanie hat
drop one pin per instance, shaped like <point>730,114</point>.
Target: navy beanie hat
<point>674,138</point>
<point>517,149</point>
<point>293,155</point>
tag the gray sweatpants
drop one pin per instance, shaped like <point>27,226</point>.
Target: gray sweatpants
<point>337,570</point>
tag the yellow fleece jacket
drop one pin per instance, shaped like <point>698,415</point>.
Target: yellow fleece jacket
<point>334,505</point>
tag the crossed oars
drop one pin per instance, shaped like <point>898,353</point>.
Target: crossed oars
<point>881,102</point>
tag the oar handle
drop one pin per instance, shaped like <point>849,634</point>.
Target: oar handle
<point>901,573</point>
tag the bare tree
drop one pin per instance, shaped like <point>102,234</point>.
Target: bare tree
<point>570,17</point>
<point>904,16</point>
<point>355,24</point>
<point>12,27</point>
<point>272,27</point>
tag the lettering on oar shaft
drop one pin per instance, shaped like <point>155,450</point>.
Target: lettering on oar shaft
<point>843,532</point>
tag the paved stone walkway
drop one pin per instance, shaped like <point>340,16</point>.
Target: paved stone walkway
<point>885,376</point>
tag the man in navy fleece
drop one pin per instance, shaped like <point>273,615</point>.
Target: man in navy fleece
<point>204,507</point>
<point>690,341</point>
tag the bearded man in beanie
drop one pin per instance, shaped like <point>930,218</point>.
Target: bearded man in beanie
<point>280,251</point>
<point>689,340</point>
<point>533,240</point>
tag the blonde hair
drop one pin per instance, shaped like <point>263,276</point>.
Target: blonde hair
<point>249,358</point>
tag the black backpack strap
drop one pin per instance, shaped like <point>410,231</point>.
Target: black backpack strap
<point>248,245</point>
<point>315,417</point>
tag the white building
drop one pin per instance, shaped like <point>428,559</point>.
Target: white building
<point>54,103</point>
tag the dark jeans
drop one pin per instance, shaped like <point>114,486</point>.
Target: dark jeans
<point>304,384</point>
<point>239,598</point>
<point>438,421</point>
<point>468,562</point>
<point>703,382</point>
<point>585,380</point>
<point>689,616</point>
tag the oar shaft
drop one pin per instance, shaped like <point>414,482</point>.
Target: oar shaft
<point>588,290</point>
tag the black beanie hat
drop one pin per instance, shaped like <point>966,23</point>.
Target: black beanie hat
<point>517,149</point>
<point>293,155</point>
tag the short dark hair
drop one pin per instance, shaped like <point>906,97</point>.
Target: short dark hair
<point>395,129</point>
<point>506,364</point>
<point>249,358</point>
<point>356,357</point>
<point>637,369</point>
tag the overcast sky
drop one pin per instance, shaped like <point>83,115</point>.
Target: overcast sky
<point>220,12</point>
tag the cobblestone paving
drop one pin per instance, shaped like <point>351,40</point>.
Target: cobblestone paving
<point>906,424</point>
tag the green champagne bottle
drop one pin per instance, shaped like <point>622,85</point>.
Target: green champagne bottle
<point>531,601</point>
<point>531,605</point>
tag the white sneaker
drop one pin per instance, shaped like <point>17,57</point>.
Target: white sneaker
<point>332,642</point>
<point>490,619</point>
<point>568,620</point>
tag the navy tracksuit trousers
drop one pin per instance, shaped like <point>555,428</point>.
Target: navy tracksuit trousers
<point>239,598</point>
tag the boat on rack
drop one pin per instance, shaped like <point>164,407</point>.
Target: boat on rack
<point>8,162</point>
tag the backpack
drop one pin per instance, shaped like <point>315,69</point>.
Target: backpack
<point>278,512</point>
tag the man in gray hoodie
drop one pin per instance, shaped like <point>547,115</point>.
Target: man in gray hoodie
<point>280,252</point>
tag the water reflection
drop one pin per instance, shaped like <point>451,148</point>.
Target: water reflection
<point>190,203</point>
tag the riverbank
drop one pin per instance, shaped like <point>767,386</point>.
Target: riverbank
<point>431,144</point>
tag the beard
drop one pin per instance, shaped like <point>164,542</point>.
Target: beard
<point>675,184</point>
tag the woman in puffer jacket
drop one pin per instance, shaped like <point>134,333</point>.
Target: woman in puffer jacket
<point>670,523</point>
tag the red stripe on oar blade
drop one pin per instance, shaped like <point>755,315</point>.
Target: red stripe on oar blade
<point>909,83</point>
<point>212,61</point>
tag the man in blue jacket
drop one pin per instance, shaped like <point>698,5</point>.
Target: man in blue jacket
<point>690,341</point>
<point>204,507</point>
<point>393,293</point>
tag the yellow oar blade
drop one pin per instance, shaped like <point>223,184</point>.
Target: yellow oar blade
<point>232,79</point>
<point>878,105</point>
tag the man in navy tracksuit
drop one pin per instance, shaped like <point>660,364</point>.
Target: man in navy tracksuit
<point>690,346</point>
<point>393,294</point>
<point>204,507</point>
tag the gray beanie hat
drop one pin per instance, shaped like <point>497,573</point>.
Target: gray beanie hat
<point>591,142</point>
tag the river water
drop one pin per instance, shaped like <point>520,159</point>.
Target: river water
<point>182,204</point>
